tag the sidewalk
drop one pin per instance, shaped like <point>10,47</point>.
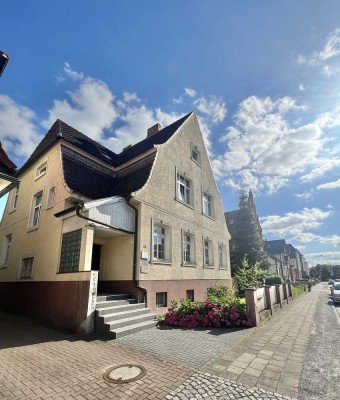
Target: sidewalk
<point>262,363</point>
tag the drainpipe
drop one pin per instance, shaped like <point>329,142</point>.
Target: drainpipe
<point>135,252</point>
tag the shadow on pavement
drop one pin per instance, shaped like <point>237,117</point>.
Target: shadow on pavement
<point>210,331</point>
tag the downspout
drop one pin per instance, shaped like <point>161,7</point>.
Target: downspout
<point>135,252</point>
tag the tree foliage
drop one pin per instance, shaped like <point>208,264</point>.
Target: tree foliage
<point>322,271</point>
<point>247,239</point>
<point>249,276</point>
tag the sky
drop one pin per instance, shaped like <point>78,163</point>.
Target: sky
<point>262,76</point>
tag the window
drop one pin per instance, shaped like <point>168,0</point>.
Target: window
<point>36,209</point>
<point>5,248</point>
<point>14,201</point>
<point>161,242</point>
<point>188,248</point>
<point>222,256</point>
<point>70,251</point>
<point>190,295</point>
<point>161,299</point>
<point>208,254</point>
<point>51,197</point>
<point>158,243</point>
<point>41,170</point>
<point>207,204</point>
<point>184,190</point>
<point>195,155</point>
<point>26,268</point>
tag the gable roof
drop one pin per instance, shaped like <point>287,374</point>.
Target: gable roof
<point>60,130</point>
<point>6,165</point>
<point>275,246</point>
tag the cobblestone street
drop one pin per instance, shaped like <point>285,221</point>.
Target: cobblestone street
<point>294,355</point>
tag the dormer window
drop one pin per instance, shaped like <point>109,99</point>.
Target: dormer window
<point>41,170</point>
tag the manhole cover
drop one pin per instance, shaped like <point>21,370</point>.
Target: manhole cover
<point>124,373</point>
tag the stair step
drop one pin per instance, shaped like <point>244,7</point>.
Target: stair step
<point>125,314</point>
<point>114,303</point>
<point>128,330</point>
<point>113,296</point>
<point>114,325</point>
<point>121,308</point>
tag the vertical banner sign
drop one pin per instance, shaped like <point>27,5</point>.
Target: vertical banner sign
<point>92,302</point>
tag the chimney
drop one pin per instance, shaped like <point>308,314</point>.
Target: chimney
<point>154,129</point>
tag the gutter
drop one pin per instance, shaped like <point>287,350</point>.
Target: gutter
<point>78,208</point>
<point>135,251</point>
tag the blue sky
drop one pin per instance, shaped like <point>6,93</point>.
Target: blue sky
<point>262,76</point>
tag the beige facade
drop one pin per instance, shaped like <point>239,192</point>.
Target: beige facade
<point>179,205</point>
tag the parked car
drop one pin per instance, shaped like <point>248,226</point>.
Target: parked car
<point>336,292</point>
<point>330,282</point>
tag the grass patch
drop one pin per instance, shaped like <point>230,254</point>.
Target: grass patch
<point>297,290</point>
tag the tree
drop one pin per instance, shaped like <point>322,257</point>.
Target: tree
<point>249,276</point>
<point>247,239</point>
<point>322,271</point>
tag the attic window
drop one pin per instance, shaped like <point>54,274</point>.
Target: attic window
<point>195,155</point>
<point>41,170</point>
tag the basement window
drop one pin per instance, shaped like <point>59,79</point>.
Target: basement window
<point>161,299</point>
<point>190,295</point>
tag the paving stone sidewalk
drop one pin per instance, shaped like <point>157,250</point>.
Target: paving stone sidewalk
<point>272,357</point>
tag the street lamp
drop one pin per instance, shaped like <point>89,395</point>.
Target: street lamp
<point>3,61</point>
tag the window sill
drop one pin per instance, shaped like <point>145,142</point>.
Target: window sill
<point>70,272</point>
<point>209,267</point>
<point>190,265</point>
<point>208,216</point>
<point>33,228</point>
<point>160,262</point>
<point>224,268</point>
<point>184,203</point>
<point>195,162</point>
<point>25,279</point>
<point>4,266</point>
<point>40,176</point>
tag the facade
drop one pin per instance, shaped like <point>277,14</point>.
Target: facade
<point>285,260</point>
<point>148,221</point>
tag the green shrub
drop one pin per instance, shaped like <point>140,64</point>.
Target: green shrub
<point>298,289</point>
<point>274,280</point>
<point>224,296</point>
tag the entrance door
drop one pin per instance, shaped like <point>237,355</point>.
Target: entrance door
<point>95,264</point>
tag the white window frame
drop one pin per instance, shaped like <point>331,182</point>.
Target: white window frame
<point>51,197</point>
<point>167,243</point>
<point>206,193</point>
<point>192,261</point>
<point>222,256</point>
<point>193,149</point>
<point>6,246</point>
<point>14,199</point>
<point>35,207</point>
<point>22,265</point>
<point>41,170</point>
<point>188,192</point>
<point>208,245</point>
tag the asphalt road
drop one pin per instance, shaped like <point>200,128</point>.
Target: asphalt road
<point>320,378</point>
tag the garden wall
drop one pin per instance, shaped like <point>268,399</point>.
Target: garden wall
<point>263,302</point>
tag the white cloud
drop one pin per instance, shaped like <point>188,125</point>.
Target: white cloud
<point>75,75</point>
<point>301,59</point>
<point>328,257</point>
<point>330,185</point>
<point>179,100</point>
<point>294,223</point>
<point>332,46</point>
<point>301,87</point>
<point>130,97</point>
<point>19,133</point>
<point>214,108</point>
<point>190,92</point>
<point>327,70</point>
<point>324,166</point>
<point>261,146</point>
<point>304,195</point>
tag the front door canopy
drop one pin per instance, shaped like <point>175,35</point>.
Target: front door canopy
<point>112,211</point>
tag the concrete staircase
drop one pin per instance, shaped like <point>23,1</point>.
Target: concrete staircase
<point>118,315</point>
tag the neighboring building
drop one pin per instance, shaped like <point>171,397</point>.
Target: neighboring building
<point>232,220</point>
<point>7,171</point>
<point>336,271</point>
<point>149,219</point>
<point>285,260</point>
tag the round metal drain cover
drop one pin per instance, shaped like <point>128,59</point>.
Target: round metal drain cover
<point>124,373</point>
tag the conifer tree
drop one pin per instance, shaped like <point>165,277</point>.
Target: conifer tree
<point>247,240</point>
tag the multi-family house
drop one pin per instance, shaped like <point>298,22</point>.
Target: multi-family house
<point>147,222</point>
